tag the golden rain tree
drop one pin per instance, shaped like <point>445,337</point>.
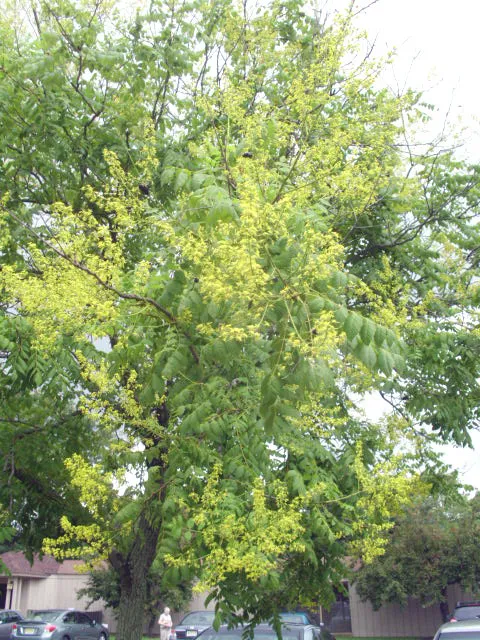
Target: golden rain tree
<point>212,243</point>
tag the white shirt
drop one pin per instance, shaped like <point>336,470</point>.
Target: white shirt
<point>165,620</point>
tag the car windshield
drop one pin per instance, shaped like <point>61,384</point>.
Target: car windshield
<point>294,618</point>
<point>464,613</point>
<point>45,616</point>
<point>200,617</point>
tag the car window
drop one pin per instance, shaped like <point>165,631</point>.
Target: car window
<point>69,618</point>
<point>13,617</point>
<point>46,616</point>
<point>293,618</point>
<point>465,613</point>
<point>82,618</point>
<point>204,617</point>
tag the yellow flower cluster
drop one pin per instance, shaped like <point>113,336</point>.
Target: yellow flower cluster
<point>96,493</point>
<point>251,543</point>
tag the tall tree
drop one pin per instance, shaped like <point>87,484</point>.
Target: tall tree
<point>211,244</point>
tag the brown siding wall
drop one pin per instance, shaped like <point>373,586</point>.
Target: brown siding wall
<point>391,620</point>
<point>56,591</point>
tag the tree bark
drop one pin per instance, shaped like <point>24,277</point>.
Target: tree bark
<point>133,581</point>
<point>444,609</point>
<point>135,567</point>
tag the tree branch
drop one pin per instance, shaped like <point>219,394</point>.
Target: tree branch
<point>109,287</point>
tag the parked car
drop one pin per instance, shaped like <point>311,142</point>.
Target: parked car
<point>300,617</point>
<point>8,618</point>
<point>59,624</point>
<point>295,617</point>
<point>465,630</point>
<point>465,611</point>
<point>192,624</point>
<point>266,632</point>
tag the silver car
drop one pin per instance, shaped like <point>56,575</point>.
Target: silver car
<point>465,630</point>
<point>8,618</point>
<point>59,624</point>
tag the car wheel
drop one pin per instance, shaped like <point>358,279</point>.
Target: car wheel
<point>102,636</point>
<point>66,638</point>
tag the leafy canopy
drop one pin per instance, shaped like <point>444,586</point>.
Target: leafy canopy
<point>212,243</point>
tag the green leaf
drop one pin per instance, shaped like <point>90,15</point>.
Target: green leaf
<point>341,314</point>
<point>167,175</point>
<point>339,280</point>
<point>385,362</point>
<point>316,304</point>
<point>295,482</point>
<point>157,383</point>
<point>367,355</point>
<point>367,330</point>
<point>313,375</point>
<point>176,363</point>
<point>128,513</point>
<point>380,335</point>
<point>222,211</point>
<point>181,179</point>
<point>353,324</point>
<point>147,395</point>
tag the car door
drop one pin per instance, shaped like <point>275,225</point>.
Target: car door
<point>70,626</point>
<point>308,633</point>
<point>89,630</point>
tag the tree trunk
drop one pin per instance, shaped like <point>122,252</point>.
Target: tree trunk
<point>133,581</point>
<point>444,609</point>
<point>135,567</point>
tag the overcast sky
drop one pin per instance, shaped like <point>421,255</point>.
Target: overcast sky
<point>438,51</point>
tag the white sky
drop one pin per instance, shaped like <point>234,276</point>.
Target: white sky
<point>438,51</point>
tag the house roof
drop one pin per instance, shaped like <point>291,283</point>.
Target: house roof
<point>18,565</point>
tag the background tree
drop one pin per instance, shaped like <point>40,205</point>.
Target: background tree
<point>212,243</point>
<point>432,546</point>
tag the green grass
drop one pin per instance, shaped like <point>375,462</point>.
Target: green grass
<point>112,637</point>
<point>339,636</point>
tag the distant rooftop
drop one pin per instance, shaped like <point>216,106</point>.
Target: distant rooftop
<point>18,565</point>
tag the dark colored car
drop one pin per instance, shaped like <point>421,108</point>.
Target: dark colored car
<point>466,611</point>
<point>193,624</point>
<point>267,632</point>
<point>59,624</point>
<point>8,618</point>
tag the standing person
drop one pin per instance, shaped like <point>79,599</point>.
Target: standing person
<point>165,622</point>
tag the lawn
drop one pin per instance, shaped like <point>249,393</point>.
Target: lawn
<point>338,637</point>
<point>350,637</point>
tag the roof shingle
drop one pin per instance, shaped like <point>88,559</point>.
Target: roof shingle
<point>18,565</point>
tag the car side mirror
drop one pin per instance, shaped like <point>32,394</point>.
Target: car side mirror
<point>94,623</point>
